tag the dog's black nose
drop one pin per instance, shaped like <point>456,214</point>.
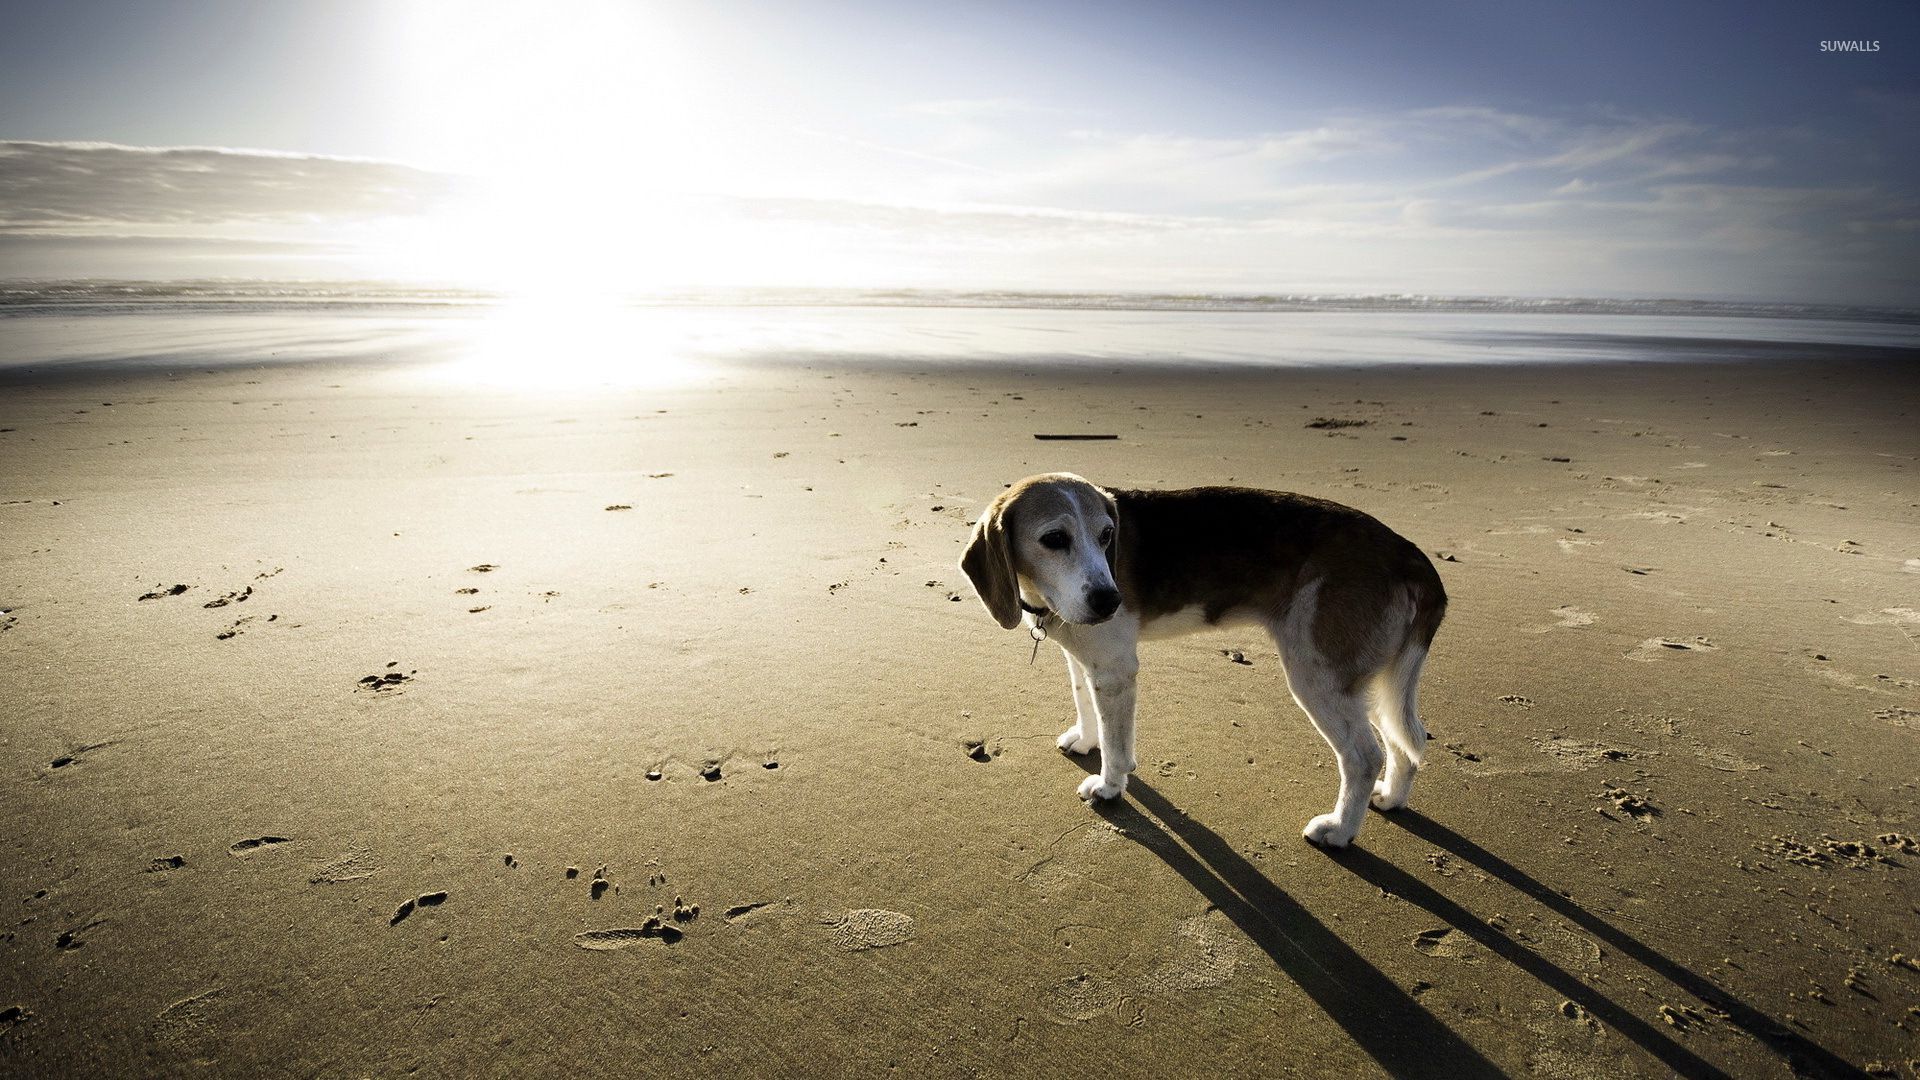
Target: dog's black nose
<point>1103,602</point>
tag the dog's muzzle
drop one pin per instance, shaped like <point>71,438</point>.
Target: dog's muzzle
<point>1103,603</point>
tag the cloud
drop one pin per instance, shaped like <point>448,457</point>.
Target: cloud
<point>1449,199</point>
<point>88,187</point>
<point>979,108</point>
<point>998,152</point>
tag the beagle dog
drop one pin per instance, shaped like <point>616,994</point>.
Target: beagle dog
<point>1352,605</point>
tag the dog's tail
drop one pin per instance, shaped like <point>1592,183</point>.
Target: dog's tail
<point>1397,692</point>
<point>1397,706</point>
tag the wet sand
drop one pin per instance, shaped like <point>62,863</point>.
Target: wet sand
<point>357,726</point>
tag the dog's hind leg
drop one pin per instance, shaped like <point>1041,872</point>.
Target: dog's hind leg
<point>1084,735</point>
<point>1340,716</point>
<point>1336,703</point>
<point>1396,710</point>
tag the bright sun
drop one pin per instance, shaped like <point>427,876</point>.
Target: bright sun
<point>603,148</point>
<point>570,123</point>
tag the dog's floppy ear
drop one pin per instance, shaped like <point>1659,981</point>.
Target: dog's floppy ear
<point>1113,549</point>
<point>989,565</point>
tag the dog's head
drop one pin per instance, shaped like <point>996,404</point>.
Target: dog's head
<point>1053,537</point>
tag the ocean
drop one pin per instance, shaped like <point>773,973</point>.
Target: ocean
<point>486,337</point>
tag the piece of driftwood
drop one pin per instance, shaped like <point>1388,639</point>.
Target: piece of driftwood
<point>1037,435</point>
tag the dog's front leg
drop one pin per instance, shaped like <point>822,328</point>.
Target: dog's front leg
<point>1110,664</point>
<point>1084,735</point>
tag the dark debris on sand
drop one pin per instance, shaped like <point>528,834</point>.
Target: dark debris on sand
<point>389,680</point>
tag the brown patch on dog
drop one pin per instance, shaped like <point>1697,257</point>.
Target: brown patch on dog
<point>1240,550</point>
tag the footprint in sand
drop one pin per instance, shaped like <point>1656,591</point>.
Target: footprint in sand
<point>1567,615</point>
<point>1208,951</point>
<point>1084,997</point>
<point>1897,617</point>
<point>241,849</point>
<point>1878,683</point>
<point>186,1024</point>
<point>980,750</point>
<point>424,900</point>
<point>1827,851</point>
<point>1656,648</point>
<point>1448,944</point>
<point>1558,943</point>
<point>352,866</point>
<point>1721,760</point>
<point>626,937</point>
<point>870,928</point>
<point>741,911</point>
<point>1580,754</point>
<point>1899,717</point>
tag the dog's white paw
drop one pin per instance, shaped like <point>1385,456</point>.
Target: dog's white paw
<point>1327,831</point>
<point>1071,741</point>
<point>1386,797</point>
<point>1094,787</point>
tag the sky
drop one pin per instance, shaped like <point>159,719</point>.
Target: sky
<point>1620,149</point>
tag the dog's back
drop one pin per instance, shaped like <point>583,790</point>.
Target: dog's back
<point>1232,549</point>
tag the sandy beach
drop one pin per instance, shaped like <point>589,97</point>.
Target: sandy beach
<point>360,725</point>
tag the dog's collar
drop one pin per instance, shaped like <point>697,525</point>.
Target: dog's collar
<point>1042,619</point>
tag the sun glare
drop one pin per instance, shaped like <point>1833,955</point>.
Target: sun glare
<point>568,344</point>
<point>570,122</point>
<point>604,149</point>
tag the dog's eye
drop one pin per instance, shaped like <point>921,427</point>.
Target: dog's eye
<point>1106,537</point>
<point>1057,540</point>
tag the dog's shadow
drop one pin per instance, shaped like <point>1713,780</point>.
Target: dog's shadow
<point>1384,1019</point>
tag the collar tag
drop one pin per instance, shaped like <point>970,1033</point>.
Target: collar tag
<point>1041,617</point>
